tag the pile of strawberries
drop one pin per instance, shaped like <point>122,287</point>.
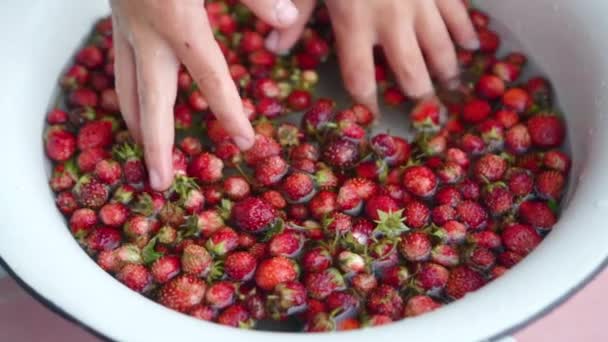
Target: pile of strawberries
<point>317,221</point>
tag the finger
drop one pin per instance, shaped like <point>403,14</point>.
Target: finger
<point>355,52</point>
<point>459,24</point>
<point>126,84</point>
<point>157,69</point>
<point>198,50</point>
<point>405,58</point>
<point>282,40</point>
<point>436,42</point>
<point>277,13</point>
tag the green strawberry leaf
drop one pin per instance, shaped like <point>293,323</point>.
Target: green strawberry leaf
<point>149,254</point>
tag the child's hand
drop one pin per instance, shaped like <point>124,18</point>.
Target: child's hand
<point>408,30</point>
<point>151,38</point>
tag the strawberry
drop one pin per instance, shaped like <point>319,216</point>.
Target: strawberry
<point>269,108</point>
<point>546,130</point>
<point>490,87</point>
<point>305,151</point>
<point>64,176</point>
<point>481,258</point>
<point>380,203</point>
<point>223,241</point>
<point>479,18</point>
<point>393,96</point>
<point>299,100</point>
<point>323,203</point>
<point>182,293</point>
<point>236,188</point>
<point>256,307</point>
<point>350,262</point>
<point>82,221</point>
<point>472,214</point>
<point>269,171</point>
<point>252,214</point>
<point>385,300</point>
<point>135,276</point>
<point>445,255</point>
<point>540,90</point>
<point>182,116</point>
<point>206,167</point>
<point>90,192</point>
<point>57,116</point>
<point>415,246</point>
<point>463,280</point>
<point>427,114</point>
<point>165,268</point>
<point>90,56</point>
<point>286,297</point>
<point>550,184</point>
<point>489,40</point>
<point>518,139</point>
<point>475,111</point>
<point>457,156</point>
<point>321,284</point>
<point>66,202</point>
<point>516,99</point>
<point>83,97</point>
<point>448,195</point>
<point>203,312</point>
<point>274,198</point>
<point>509,259</point>
<point>470,190</point>
<point>240,266</point>
<point>275,270</point>
<point>451,232</point>
<point>95,134</point>
<point>520,182</point>
<point>497,271</point>
<point>113,214</point>
<point>450,173</point>
<point>220,295</point>
<point>472,144</point>
<point>318,116</point>
<point>485,238</point>
<point>108,171</point>
<point>340,153</point>
<point>520,238</point>
<point>420,304</point>
<point>442,214</point>
<point>537,214</point>
<point>103,239</point>
<point>196,260</point>
<point>288,244</point>
<point>60,144</point>
<point>320,322</point>
<point>76,77</point>
<point>384,146</point>
<point>507,118</point>
<point>508,72</point>
<point>132,163</point>
<point>498,198</point>
<point>88,159</point>
<point>191,145</point>
<point>298,187</point>
<point>420,181</point>
<point>431,278</point>
<point>416,214</point>
<point>490,168</point>
<point>316,260</point>
<point>137,226</point>
<point>557,160</point>
<point>263,147</point>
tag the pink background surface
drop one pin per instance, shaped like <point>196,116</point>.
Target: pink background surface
<point>22,318</point>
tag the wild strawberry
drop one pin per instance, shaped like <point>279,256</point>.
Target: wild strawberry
<point>490,168</point>
<point>90,192</point>
<point>274,198</point>
<point>124,193</point>
<point>508,72</point>
<point>275,270</point>
<point>537,214</point>
<point>316,260</point>
<point>497,271</point>
<point>288,244</point>
<point>540,90</point>
<point>472,144</point>
<point>269,108</point>
<point>103,239</point>
<point>490,87</point>
<point>393,96</point>
<point>520,238</point>
<point>463,280</point>
<point>98,81</point>
<point>349,324</point>
<point>507,118</point>
<point>137,225</point>
<point>472,214</point>
<point>557,160</point>
<point>450,173</point>
<point>220,295</point>
<point>256,306</point>
<point>476,111</point>
<point>363,115</point>
<point>427,114</point>
<point>298,187</point>
<point>550,184</point>
<point>320,322</point>
<point>259,250</point>
<point>516,99</point>
<point>60,144</point>
<point>546,130</point>
<point>420,304</point>
<point>516,58</point>
<point>108,171</point>
<point>197,101</point>
<point>498,199</point>
<point>451,232</point>
<point>57,116</point>
<point>216,132</point>
<point>377,320</point>
<point>203,312</point>
<point>208,222</point>
<point>228,152</point>
<point>481,258</point>
<point>76,77</point>
<point>132,163</point>
<point>431,278</point>
<point>95,134</point>
<point>263,147</point>
<point>64,176</point>
<point>448,195</point>
<point>236,188</point>
<point>223,241</point>
<point>457,156</point>
<point>182,293</point>
<point>509,259</point>
<point>252,214</point>
<point>83,97</point>
<point>66,202</point>
<point>385,300</point>
<point>350,262</point>
<point>321,284</point>
<point>90,56</point>
<point>340,153</point>
<point>445,255</point>
<point>479,18</point>
<point>236,316</point>
<point>270,170</point>
<point>323,203</point>
<point>305,151</point>
<point>240,266</point>
<point>165,268</point>
<point>485,238</point>
<point>82,221</point>
<point>135,276</point>
<point>490,41</point>
<point>206,167</point>
<point>182,116</point>
<point>318,116</point>
<point>380,203</point>
<point>420,181</point>
<point>415,246</point>
<point>113,214</point>
<point>109,100</point>
<point>520,182</point>
<point>416,214</point>
<point>469,189</point>
<point>299,100</point>
<point>442,214</point>
<point>518,139</point>
<point>89,158</point>
<point>286,297</point>
<point>191,146</point>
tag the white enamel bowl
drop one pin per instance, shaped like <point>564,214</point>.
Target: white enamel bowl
<point>566,37</point>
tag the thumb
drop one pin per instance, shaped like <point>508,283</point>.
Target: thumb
<point>277,13</point>
<point>284,38</point>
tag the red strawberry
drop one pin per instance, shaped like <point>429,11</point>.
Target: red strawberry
<point>299,99</point>
<point>498,199</point>
<point>137,226</point>
<point>57,116</point>
<point>298,187</point>
<point>427,114</point>
<point>276,270</point>
<point>550,184</point>
<point>540,90</point>
<point>203,312</point>
<point>76,77</point>
<point>182,293</point>
<point>90,56</point>
<point>87,160</point>
<point>236,188</point>
<point>321,284</point>
<point>286,297</point>
<point>518,139</point>
<point>445,255</point>
<point>95,134</point>
<point>274,198</point>
<point>393,96</point>
<point>113,214</point>
<point>305,151</point>
<point>415,246</point>
<point>451,232</point>
<point>537,214</point>
<point>220,295</point>
<point>463,280</point>
<point>60,144</point>
<point>448,195</point>
<point>64,176</point>
<point>490,41</point>
<point>223,241</point>
<point>135,276</point>
<point>416,214</point>
<point>385,300</point>
<point>316,260</point>
<point>263,147</point>
<point>481,258</point>
<point>364,115</point>
<point>457,156</point>
<point>431,277</point>
<point>206,167</point>
<point>485,238</point>
<point>323,203</point>
<point>340,153</point>
<point>472,214</point>
<point>546,130</point>
<point>270,170</point>
<point>420,304</point>
<point>442,214</point>
<point>557,160</point>
<point>235,316</point>
<point>420,181</point>
<point>182,116</point>
<point>380,203</point>
<point>469,189</point>
<point>90,192</point>
<point>240,266</point>
<point>269,108</point>
<point>82,221</point>
<point>108,171</point>
<point>318,116</point>
<point>83,97</point>
<point>66,202</point>
<point>476,111</point>
<point>490,168</point>
<point>520,238</point>
<point>472,144</point>
<point>508,72</point>
<point>516,58</point>
<point>132,163</point>
<point>165,268</point>
<point>103,239</point>
<point>490,87</point>
<point>364,282</point>
<point>191,146</point>
<point>516,99</point>
<point>520,182</point>
<point>288,244</point>
<point>507,118</point>
<point>252,214</point>
<point>196,260</point>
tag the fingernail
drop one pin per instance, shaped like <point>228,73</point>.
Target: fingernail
<point>242,142</point>
<point>472,45</point>
<point>286,12</point>
<point>155,181</point>
<point>272,41</point>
